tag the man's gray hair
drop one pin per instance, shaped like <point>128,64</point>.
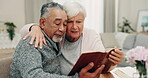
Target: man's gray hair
<point>46,8</point>
<point>73,8</point>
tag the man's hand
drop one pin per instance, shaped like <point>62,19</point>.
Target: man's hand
<point>85,74</point>
<point>116,56</point>
<point>37,35</point>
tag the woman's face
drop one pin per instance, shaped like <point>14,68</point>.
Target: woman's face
<point>75,27</point>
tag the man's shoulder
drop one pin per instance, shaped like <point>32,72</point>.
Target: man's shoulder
<point>24,43</point>
<point>24,49</point>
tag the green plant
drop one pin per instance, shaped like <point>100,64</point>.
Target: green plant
<point>126,26</point>
<point>10,29</point>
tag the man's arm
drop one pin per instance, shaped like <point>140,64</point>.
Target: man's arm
<point>28,61</point>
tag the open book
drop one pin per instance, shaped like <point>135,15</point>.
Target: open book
<point>98,58</point>
<point>125,72</point>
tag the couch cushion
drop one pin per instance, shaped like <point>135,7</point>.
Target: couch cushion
<point>5,67</point>
<point>109,40</point>
<point>129,41</point>
<point>120,37</point>
<point>141,40</point>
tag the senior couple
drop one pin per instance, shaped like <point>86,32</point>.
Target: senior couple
<point>65,38</point>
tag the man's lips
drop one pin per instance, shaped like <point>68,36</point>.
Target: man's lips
<point>59,35</point>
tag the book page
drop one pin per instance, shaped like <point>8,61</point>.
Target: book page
<point>125,72</point>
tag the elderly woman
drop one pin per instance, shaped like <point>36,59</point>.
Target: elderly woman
<point>78,39</point>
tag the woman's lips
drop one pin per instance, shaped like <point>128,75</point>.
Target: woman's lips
<point>74,31</point>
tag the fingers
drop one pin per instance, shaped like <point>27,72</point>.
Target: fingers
<point>85,74</point>
<point>99,70</point>
<point>32,40</point>
<point>114,61</point>
<point>28,35</point>
<point>88,67</point>
<point>37,42</point>
<point>38,37</point>
<point>116,56</point>
<point>41,43</point>
<point>44,41</point>
<point>118,51</point>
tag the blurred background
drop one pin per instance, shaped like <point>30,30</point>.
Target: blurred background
<point>105,16</point>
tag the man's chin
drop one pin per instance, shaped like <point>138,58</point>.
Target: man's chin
<point>56,39</point>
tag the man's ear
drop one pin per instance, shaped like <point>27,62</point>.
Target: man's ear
<point>42,22</point>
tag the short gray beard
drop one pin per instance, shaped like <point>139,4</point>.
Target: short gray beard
<point>56,39</point>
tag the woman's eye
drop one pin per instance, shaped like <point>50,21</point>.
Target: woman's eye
<point>69,21</point>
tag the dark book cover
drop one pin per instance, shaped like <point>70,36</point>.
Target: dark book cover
<point>98,58</point>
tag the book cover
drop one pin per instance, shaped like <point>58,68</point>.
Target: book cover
<point>98,58</point>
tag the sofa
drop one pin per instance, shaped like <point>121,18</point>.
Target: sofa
<point>124,41</point>
<point>5,67</point>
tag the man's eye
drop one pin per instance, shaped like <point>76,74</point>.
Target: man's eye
<point>58,24</point>
<point>65,24</point>
<point>78,21</point>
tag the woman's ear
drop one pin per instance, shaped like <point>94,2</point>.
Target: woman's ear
<point>42,22</point>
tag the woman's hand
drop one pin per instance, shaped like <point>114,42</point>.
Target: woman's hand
<point>85,74</point>
<point>116,56</point>
<point>36,35</point>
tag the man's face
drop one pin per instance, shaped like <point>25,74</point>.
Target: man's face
<point>55,25</point>
<point>75,27</point>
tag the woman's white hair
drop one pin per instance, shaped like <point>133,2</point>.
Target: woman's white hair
<point>73,8</point>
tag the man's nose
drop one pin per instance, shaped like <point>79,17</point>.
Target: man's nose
<point>61,28</point>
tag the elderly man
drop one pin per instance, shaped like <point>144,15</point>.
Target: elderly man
<point>30,62</point>
<point>78,39</point>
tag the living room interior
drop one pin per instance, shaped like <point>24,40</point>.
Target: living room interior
<point>120,23</point>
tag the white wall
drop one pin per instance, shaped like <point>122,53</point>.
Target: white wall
<point>21,12</point>
<point>32,10</point>
<point>130,9</point>
<point>13,11</point>
<point>95,13</point>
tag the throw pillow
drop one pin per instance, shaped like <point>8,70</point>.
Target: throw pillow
<point>109,40</point>
<point>129,41</point>
<point>141,40</point>
<point>120,37</point>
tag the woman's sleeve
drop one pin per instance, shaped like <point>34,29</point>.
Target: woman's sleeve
<point>25,29</point>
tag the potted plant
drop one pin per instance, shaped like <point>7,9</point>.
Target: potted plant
<point>126,26</point>
<point>10,29</point>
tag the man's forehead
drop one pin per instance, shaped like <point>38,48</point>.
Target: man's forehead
<point>58,14</point>
<point>56,10</point>
<point>59,19</point>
